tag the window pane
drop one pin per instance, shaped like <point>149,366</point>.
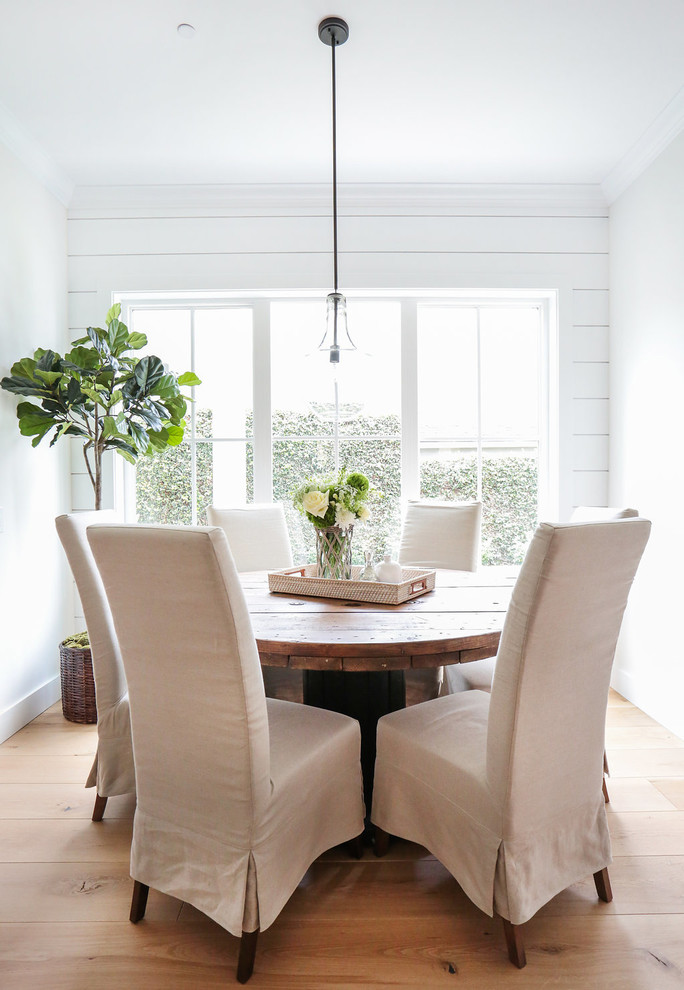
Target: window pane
<point>168,335</point>
<point>510,497</point>
<point>231,482</point>
<point>509,355</point>
<point>380,461</point>
<point>369,380</point>
<point>163,487</point>
<point>447,372</point>
<point>223,360</point>
<point>298,385</point>
<point>448,474</point>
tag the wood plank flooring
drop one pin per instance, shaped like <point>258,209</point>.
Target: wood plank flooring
<point>373,924</point>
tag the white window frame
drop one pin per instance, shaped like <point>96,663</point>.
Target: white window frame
<point>549,440</point>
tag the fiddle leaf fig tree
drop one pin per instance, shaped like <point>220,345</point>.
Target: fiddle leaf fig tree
<point>100,392</point>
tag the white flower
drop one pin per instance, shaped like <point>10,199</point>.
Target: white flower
<point>316,503</point>
<point>344,517</point>
<point>364,513</point>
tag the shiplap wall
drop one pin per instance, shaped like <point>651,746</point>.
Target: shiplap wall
<point>391,237</point>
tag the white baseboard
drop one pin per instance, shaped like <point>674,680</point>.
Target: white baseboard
<point>16,717</point>
<point>664,707</point>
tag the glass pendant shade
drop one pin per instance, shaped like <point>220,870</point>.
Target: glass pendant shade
<point>336,337</point>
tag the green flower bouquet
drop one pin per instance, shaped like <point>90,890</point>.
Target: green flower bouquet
<point>333,504</point>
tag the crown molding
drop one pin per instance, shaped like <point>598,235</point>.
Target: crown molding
<point>652,143</point>
<point>376,198</point>
<point>32,155</point>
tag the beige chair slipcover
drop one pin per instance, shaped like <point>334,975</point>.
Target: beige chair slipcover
<point>477,675</point>
<point>505,789</point>
<point>438,534</point>
<point>237,795</point>
<point>112,772</point>
<point>257,534</point>
<point>594,513</point>
<point>441,534</point>
<point>259,541</point>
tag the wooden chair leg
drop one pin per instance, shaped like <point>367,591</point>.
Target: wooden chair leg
<point>245,966</point>
<point>100,805</point>
<point>514,943</point>
<point>606,795</point>
<point>139,901</point>
<point>381,842</point>
<point>356,846</point>
<point>603,888</point>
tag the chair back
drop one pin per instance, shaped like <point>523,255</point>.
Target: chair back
<point>547,712</point>
<point>257,535</point>
<point>198,710</point>
<point>441,534</point>
<point>593,513</point>
<point>113,771</point>
<point>108,671</point>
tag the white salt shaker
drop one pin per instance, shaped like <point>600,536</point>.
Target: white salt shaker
<point>388,571</point>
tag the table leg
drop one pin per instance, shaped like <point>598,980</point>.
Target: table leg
<point>366,696</point>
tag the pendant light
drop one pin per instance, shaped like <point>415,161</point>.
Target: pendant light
<point>333,31</point>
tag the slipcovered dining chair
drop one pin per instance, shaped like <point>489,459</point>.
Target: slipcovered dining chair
<point>441,534</point>
<point>112,772</point>
<point>259,541</point>
<point>478,675</point>
<point>438,534</point>
<point>257,534</point>
<point>237,794</point>
<point>504,789</point>
<point>595,513</point>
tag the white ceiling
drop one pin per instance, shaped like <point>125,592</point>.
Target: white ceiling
<point>448,91</point>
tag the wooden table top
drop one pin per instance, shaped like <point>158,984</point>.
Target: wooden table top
<point>460,620</point>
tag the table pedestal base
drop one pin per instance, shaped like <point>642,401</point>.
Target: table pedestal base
<point>366,696</point>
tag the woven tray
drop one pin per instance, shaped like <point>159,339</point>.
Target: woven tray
<point>303,581</point>
<point>78,684</point>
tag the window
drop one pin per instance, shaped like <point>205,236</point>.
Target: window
<point>446,397</point>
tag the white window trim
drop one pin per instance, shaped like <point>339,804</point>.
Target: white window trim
<point>551,444</point>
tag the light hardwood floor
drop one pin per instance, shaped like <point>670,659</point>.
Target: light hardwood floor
<point>398,922</point>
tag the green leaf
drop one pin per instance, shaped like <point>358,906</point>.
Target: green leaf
<point>139,436</point>
<point>150,416</point>
<point>23,386</point>
<point>177,407</point>
<point>189,378</point>
<point>24,368</point>
<point>148,371</point>
<point>49,377</point>
<point>118,337</point>
<point>113,313</point>
<point>166,386</point>
<point>35,424</point>
<point>128,453</point>
<point>175,435</point>
<point>95,395</point>
<point>109,427</point>
<point>30,409</point>
<point>47,361</point>
<point>136,341</point>
<point>83,358</point>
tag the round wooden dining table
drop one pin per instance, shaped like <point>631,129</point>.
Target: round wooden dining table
<point>354,654</point>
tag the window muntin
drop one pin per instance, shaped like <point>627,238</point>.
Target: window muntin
<point>473,398</point>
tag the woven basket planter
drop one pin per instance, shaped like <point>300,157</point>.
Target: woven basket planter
<point>78,685</point>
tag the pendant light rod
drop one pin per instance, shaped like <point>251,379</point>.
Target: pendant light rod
<point>333,31</point>
<point>334,167</point>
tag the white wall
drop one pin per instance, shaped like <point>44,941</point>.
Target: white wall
<point>35,586</point>
<point>647,421</point>
<point>261,238</point>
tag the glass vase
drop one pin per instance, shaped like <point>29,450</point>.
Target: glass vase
<point>334,552</point>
